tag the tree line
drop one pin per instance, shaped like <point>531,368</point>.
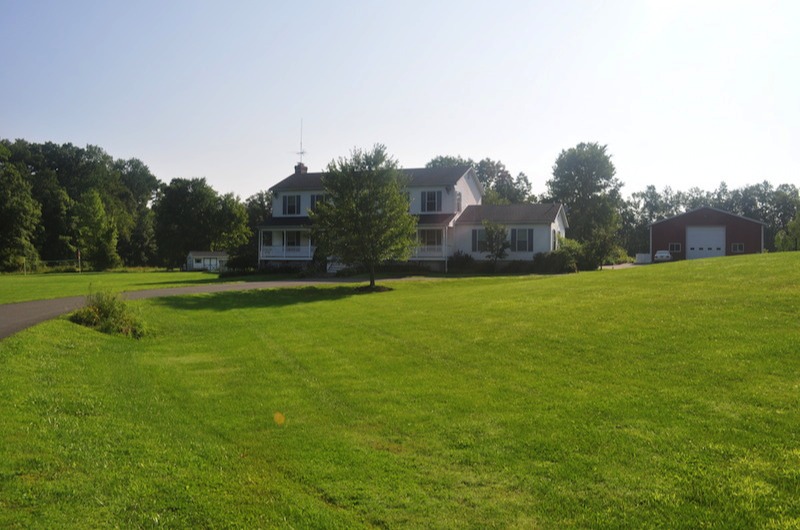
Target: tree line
<point>61,201</point>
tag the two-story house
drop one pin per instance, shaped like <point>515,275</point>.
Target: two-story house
<point>438,197</point>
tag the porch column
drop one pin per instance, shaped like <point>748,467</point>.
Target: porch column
<point>444,249</point>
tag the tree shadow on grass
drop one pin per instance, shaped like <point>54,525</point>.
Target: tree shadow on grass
<point>229,300</point>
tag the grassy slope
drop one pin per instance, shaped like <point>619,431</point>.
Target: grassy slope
<point>20,288</point>
<point>651,397</point>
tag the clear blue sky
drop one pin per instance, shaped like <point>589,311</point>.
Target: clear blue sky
<point>684,93</point>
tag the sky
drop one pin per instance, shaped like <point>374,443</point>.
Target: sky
<point>682,93</point>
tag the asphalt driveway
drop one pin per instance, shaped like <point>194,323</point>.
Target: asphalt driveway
<point>18,316</point>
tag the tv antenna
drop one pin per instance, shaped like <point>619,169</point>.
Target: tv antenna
<point>302,151</point>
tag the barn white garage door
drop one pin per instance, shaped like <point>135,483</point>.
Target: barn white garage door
<point>705,241</point>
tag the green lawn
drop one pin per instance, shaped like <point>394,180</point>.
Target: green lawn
<point>653,397</point>
<point>20,288</point>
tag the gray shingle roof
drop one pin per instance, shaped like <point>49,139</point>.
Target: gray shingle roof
<point>418,177</point>
<point>520,214</point>
<point>713,210</point>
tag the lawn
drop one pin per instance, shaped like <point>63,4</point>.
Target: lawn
<point>21,288</point>
<point>659,396</point>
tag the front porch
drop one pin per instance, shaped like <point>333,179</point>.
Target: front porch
<point>286,244</point>
<point>432,244</point>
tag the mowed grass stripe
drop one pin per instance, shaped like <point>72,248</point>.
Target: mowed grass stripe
<point>651,397</point>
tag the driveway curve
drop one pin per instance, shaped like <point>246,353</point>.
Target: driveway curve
<point>21,315</point>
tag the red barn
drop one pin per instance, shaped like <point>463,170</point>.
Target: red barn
<point>705,233</point>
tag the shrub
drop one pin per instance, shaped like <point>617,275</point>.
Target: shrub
<point>559,261</point>
<point>618,255</point>
<point>460,262</point>
<point>109,313</point>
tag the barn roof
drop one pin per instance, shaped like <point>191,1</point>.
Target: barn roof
<point>709,208</point>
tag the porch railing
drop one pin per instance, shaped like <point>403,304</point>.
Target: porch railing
<point>429,251</point>
<point>288,252</point>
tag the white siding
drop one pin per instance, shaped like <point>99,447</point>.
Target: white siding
<point>542,240</point>
<point>470,190</point>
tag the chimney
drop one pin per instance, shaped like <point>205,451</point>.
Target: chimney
<point>300,169</point>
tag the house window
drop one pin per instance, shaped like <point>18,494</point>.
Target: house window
<point>458,201</point>
<point>291,205</point>
<point>430,238</point>
<point>478,240</point>
<point>316,199</point>
<point>198,261</point>
<point>266,238</point>
<point>431,201</point>
<point>293,238</point>
<point>674,247</point>
<point>555,240</point>
<point>521,239</point>
<point>737,248</point>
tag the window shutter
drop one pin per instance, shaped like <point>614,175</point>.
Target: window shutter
<point>285,204</point>
<point>438,201</point>
<point>474,240</point>
<point>530,239</point>
<point>514,239</point>
<point>422,205</point>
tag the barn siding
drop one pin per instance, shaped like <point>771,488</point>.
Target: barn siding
<point>737,230</point>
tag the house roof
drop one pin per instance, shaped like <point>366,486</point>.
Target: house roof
<point>520,214</point>
<point>709,208</point>
<point>208,254</point>
<point>418,177</point>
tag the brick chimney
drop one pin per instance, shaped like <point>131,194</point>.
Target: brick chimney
<point>300,169</point>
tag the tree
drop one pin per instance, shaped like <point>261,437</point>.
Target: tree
<point>365,220</point>
<point>231,226</point>
<point>19,217</point>
<point>789,237</point>
<point>499,186</point>
<point>96,233</point>
<point>186,210</point>
<point>497,243</point>
<point>259,208</point>
<point>583,180</point>
<point>450,161</point>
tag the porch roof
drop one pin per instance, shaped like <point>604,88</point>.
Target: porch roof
<point>434,219</point>
<point>286,222</point>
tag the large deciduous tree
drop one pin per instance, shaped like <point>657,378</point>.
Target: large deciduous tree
<point>96,233</point>
<point>190,215</point>
<point>365,219</point>
<point>185,211</point>
<point>583,180</point>
<point>19,217</point>
<point>259,208</point>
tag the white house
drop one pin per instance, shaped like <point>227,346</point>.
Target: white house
<point>532,228</point>
<point>446,202</point>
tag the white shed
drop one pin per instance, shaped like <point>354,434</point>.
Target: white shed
<point>205,260</point>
